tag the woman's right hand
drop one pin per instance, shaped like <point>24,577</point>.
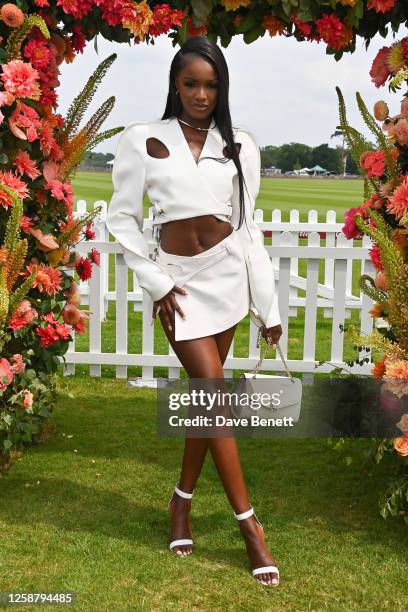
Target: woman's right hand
<point>168,304</point>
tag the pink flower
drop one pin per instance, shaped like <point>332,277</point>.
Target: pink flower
<point>60,191</point>
<point>401,131</point>
<point>404,107</point>
<point>381,6</point>
<point>6,98</point>
<point>24,122</point>
<point>22,315</point>
<point>18,366</point>
<point>350,229</point>
<point>28,399</point>
<point>50,169</point>
<point>26,165</point>
<point>7,372</point>
<point>381,110</point>
<point>26,224</point>
<point>373,162</point>
<point>21,79</point>
<point>379,72</point>
<point>9,179</point>
<point>398,203</point>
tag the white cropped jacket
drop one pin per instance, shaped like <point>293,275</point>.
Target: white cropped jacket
<point>178,187</point>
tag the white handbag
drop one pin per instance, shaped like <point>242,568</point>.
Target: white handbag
<point>281,395</point>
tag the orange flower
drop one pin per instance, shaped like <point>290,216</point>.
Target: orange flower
<point>379,368</point>
<point>273,25</point>
<point>381,110</point>
<point>403,424</point>
<point>401,446</point>
<point>233,5</point>
<point>12,16</point>
<point>28,399</point>
<point>377,310</point>
<point>45,242</point>
<point>380,281</point>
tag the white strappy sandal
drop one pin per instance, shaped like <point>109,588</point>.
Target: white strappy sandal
<point>267,568</point>
<point>183,541</point>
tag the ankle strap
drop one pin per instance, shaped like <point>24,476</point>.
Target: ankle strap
<point>183,493</point>
<point>244,515</point>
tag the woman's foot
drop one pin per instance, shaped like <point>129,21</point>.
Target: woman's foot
<point>258,553</point>
<point>179,509</point>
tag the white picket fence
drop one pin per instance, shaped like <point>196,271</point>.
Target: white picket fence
<point>334,296</point>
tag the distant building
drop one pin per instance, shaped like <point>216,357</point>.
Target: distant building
<point>270,171</point>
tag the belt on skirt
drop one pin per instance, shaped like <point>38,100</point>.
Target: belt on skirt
<point>183,267</point>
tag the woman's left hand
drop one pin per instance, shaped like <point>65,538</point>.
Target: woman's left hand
<point>272,334</point>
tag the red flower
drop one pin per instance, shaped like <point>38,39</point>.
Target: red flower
<point>373,163</point>
<point>95,257</point>
<point>84,268</point>
<point>379,72</point>
<point>381,6</point>
<point>375,256</point>
<point>335,33</point>
<point>89,233</point>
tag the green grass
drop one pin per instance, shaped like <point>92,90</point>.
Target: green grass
<point>95,522</point>
<point>86,510</point>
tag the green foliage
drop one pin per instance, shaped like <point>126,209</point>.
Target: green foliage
<point>80,104</point>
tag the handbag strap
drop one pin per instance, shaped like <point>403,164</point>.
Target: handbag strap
<point>258,365</point>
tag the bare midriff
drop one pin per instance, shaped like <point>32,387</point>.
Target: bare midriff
<point>193,235</point>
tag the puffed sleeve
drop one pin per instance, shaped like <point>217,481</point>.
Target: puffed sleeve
<point>124,218</point>
<point>264,299</point>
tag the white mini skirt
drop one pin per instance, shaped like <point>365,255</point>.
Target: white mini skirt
<point>217,284</point>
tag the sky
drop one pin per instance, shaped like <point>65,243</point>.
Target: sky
<point>281,90</point>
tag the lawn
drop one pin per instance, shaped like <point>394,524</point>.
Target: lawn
<point>86,510</point>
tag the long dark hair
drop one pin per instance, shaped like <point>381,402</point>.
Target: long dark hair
<point>210,52</point>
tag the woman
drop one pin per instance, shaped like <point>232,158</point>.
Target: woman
<point>194,166</point>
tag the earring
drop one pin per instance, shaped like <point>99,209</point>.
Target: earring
<point>177,93</point>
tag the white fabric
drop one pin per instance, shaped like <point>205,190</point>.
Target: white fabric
<point>180,188</point>
<point>217,284</point>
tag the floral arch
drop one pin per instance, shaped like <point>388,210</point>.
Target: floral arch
<point>40,150</point>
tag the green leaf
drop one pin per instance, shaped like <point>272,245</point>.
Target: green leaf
<point>252,35</point>
<point>201,9</point>
<point>7,444</point>
<point>3,158</point>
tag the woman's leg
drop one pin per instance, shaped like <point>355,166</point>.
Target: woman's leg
<point>201,359</point>
<point>190,353</point>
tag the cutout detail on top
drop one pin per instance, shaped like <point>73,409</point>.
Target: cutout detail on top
<point>156,148</point>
